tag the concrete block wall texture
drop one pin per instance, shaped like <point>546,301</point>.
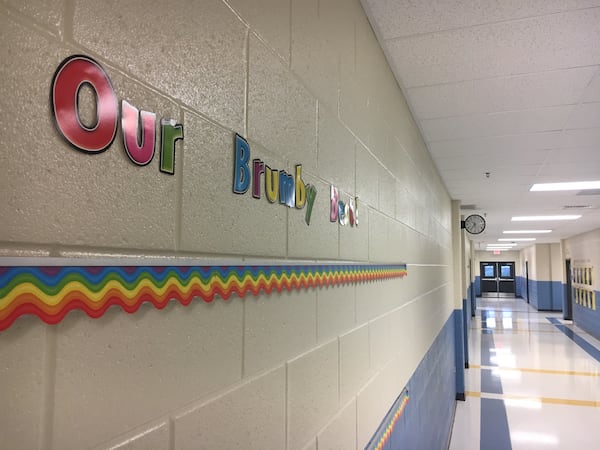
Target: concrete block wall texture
<point>546,270</point>
<point>584,250</point>
<point>306,82</point>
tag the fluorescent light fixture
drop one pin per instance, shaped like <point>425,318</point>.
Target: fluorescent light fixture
<point>534,218</point>
<point>526,231</point>
<point>516,239</point>
<point>569,186</point>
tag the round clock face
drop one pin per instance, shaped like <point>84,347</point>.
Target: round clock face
<point>475,224</point>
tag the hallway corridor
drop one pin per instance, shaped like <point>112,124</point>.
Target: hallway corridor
<point>533,382</point>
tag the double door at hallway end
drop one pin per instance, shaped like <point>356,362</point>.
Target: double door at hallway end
<point>497,279</point>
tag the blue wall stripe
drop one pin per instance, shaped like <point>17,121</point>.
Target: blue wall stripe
<point>426,422</point>
<point>473,300</point>
<point>459,354</point>
<point>557,295</point>
<point>588,319</point>
<point>585,345</point>
<point>466,324</point>
<point>546,295</point>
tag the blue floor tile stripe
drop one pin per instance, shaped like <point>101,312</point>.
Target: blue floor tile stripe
<point>490,383</point>
<point>585,345</point>
<point>494,425</point>
<point>494,431</point>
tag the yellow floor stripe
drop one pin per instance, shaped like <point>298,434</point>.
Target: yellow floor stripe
<point>562,401</point>
<point>547,400</point>
<point>516,330</point>
<point>545,371</point>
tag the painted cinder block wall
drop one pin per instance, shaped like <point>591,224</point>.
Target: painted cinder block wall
<point>545,276</point>
<point>584,251</point>
<point>306,82</point>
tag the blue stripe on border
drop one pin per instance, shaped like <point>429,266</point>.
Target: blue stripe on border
<point>490,383</point>
<point>494,425</point>
<point>494,431</point>
<point>585,345</point>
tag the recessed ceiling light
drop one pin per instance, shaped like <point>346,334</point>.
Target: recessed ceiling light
<point>517,239</point>
<point>533,218</point>
<point>570,186</point>
<point>526,231</point>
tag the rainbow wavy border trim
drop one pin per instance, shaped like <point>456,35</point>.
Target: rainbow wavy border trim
<point>384,432</point>
<point>51,292</point>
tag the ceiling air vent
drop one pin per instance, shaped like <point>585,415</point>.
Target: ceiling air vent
<point>589,192</point>
<point>468,207</point>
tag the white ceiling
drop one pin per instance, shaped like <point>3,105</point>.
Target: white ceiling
<point>509,87</point>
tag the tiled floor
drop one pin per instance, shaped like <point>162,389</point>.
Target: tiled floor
<point>529,385</point>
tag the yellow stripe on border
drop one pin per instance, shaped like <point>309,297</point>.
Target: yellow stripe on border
<point>546,400</point>
<point>515,330</point>
<point>544,371</point>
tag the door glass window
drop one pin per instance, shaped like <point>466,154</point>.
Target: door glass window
<point>506,271</point>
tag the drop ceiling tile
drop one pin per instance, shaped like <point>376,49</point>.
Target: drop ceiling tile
<point>586,115</point>
<point>513,122</point>
<point>405,17</point>
<point>570,155</point>
<point>500,173</point>
<point>487,162</point>
<point>574,171</point>
<point>517,142</point>
<point>592,93</point>
<point>579,138</point>
<point>559,87</point>
<point>507,48</point>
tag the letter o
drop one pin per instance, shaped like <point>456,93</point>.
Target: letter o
<point>72,73</point>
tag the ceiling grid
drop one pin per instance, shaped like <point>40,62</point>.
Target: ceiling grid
<point>508,87</point>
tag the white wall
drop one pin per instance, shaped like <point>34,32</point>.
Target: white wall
<point>584,250</point>
<point>557,268</point>
<point>545,262</point>
<point>306,82</point>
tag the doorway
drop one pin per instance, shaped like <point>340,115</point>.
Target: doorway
<point>568,309</point>
<point>498,279</point>
<point>527,280</point>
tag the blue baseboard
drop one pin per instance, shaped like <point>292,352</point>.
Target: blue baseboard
<point>588,319</point>
<point>546,295</point>
<point>426,422</point>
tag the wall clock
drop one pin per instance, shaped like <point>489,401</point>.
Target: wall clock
<point>474,224</point>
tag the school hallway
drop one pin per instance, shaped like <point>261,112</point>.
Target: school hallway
<point>533,381</point>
